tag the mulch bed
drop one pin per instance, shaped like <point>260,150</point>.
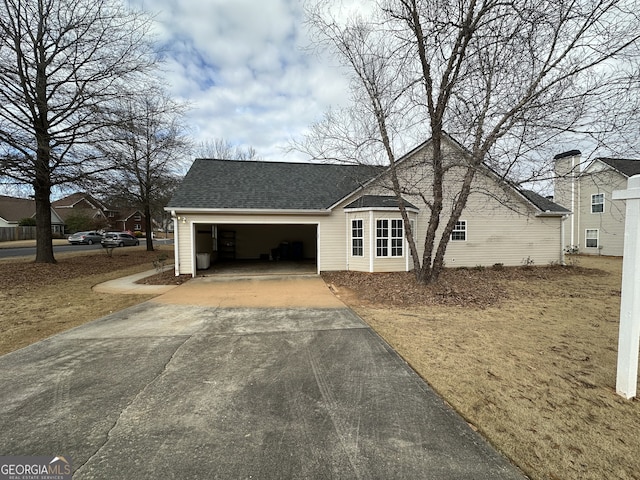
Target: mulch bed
<point>479,287</point>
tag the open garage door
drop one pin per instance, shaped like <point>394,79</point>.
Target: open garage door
<point>234,242</point>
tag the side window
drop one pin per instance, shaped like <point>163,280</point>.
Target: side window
<point>459,232</point>
<point>382,238</point>
<point>397,238</point>
<point>597,203</point>
<point>591,238</point>
<point>357,238</point>
<point>389,238</point>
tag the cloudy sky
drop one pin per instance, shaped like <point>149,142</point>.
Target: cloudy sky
<point>243,66</point>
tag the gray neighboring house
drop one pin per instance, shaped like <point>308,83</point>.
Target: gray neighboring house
<point>343,217</point>
<point>597,224</point>
<point>14,209</point>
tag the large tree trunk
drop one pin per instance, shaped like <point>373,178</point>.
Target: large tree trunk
<point>44,239</point>
<point>148,227</point>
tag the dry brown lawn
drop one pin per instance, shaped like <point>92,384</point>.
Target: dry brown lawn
<point>527,356</point>
<point>40,300</point>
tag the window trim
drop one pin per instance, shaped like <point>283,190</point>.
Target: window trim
<point>586,237</point>
<point>458,230</point>
<point>594,204</point>
<point>360,238</point>
<point>391,243</point>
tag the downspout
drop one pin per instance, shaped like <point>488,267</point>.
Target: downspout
<point>176,245</point>
<point>573,200</point>
<point>371,241</point>
<point>562,220</point>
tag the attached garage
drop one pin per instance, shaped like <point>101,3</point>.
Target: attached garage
<point>264,211</point>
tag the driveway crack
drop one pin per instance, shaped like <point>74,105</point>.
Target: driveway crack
<point>134,400</point>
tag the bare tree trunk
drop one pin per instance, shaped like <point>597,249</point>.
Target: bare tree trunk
<point>42,190</point>
<point>148,227</point>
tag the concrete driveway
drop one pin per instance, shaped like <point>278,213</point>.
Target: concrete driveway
<point>200,383</point>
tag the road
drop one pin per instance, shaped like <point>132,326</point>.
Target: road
<point>31,251</point>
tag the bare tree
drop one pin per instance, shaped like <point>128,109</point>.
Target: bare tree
<point>222,149</point>
<point>505,79</point>
<point>148,153</point>
<point>62,63</point>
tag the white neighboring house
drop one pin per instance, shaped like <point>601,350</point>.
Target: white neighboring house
<point>597,224</point>
<point>344,218</point>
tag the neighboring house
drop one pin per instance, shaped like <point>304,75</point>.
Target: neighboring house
<point>131,220</point>
<point>13,209</point>
<point>83,204</point>
<point>344,217</point>
<point>597,224</point>
<point>113,218</point>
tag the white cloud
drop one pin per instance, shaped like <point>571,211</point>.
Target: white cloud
<point>243,67</point>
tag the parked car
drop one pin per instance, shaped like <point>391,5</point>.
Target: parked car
<point>88,238</point>
<point>118,240</point>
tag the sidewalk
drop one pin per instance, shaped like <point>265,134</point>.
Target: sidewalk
<point>127,285</point>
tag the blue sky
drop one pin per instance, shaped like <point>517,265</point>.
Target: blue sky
<point>244,67</point>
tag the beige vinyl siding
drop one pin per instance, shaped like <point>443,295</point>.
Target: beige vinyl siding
<point>508,238</point>
<point>333,241</point>
<point>502,227</point>
<point>610,223</point>
<point>186,255</point>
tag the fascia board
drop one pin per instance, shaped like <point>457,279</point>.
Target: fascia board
<point>380,209</point>
<point>247,211</point>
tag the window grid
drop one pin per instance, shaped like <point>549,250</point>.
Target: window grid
<point>397,237</point>
<point>382,238</point>
<point>459,232</point>
<point>591,238</point>
<point>389,238</point>
<point>357,238</point>
<point>597,203</point>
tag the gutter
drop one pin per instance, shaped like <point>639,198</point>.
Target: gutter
<point>247,211</point>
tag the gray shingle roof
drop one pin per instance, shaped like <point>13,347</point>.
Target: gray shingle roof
<point>214,184</point>
<point>378,201</point>
<point>544,204</point>
<point>625,166</point>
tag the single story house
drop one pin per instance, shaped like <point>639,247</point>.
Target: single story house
<point>344,217</point>
<point>14,209</point>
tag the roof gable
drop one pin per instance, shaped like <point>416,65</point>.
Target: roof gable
<point>71,201</point>
<point>235,184</point>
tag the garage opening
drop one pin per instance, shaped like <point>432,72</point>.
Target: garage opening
<point>260,248</point>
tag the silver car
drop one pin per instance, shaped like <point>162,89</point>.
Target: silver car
<point>112,239</point>
<point>88,238</point>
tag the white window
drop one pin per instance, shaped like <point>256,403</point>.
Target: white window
<point>137,227</point>
<point>597,203</point>
<point>591,238</point>
<point>389,238</point>
<point>357,238</point>
<point>459,232</point>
